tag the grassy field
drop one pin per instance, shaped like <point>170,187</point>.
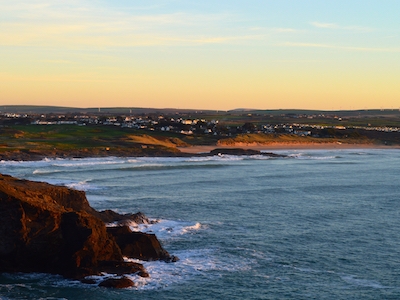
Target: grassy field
<point>77,137</point>
<point>73,140</point>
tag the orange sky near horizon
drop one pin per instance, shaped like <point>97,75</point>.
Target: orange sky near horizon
<point>269,55</point>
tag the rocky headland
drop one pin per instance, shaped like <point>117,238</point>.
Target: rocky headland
<point>35,155</point>
<point>53,229</point>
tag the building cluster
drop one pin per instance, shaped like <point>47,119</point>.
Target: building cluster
<point>178,124</point>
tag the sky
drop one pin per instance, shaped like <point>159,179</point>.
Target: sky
<point>201,54</point>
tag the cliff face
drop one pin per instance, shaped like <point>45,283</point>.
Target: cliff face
<point>53,229</point>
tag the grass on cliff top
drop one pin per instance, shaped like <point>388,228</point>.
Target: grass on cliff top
<point>66,137</point>
<point>161,141</point>
<point>73,137</point>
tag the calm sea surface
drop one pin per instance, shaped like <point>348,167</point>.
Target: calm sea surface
<point>316,225</point>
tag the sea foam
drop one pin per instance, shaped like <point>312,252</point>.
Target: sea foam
<point>165,229</point>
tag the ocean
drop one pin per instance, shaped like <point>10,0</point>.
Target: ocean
<point>317,224</point>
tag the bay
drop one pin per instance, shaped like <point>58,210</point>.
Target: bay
<point>318,224</point>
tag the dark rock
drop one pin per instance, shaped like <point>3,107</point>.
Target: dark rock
<point>117,283</point>
<point>39,234</point>
<point>234,151</point>
<point>240,151</point>
<point>109,216</point>
<point>88,281</point>
<point>139,245</point>
<point>174,258</point>
<point>53,229</point>
<point>76,200</point>
<point>120,268</point>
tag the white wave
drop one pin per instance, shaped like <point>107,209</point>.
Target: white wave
<point>196,264</point>
<point>227,158</point>
<point>64,162</point>
<point>353,280</point>
<point>45,171</point>
<point>260,157</point>
<point>131,160</point>
<point>165,229</point>
<point>313,156</point>
<point>82,185</point>
<point>194,227</point>
<point>83,162</point>
<point>32,164</point>
<point>159,159</point>
<point>147,165</point>
<point>193,265</point>
<point>216,158</point>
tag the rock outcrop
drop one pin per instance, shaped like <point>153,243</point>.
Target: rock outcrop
<point>117,283</point>
<point>140,245</point>
<point>240,151</point>
<point>53,229</point>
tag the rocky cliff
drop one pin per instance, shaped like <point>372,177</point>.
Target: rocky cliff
<point>53,229</point>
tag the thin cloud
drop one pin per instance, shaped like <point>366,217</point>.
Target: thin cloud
<point>275,29</point>
<point>285,30</point>
<point>71,24</point>
<point>325,25</point>
<point>215,40</point>
<point>336,26</point>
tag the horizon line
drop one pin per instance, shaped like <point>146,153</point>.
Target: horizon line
<point>15,106</point>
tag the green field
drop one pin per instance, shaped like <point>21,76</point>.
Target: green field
<point>73,140</point>
<point>95,140</point>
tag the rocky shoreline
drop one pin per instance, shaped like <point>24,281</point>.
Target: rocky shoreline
<point>35,155</point>
<point>53,229</point>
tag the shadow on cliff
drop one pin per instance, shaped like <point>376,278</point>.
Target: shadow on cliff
<point>53,229</point>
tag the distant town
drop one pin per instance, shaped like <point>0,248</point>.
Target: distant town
<point>221,124</point>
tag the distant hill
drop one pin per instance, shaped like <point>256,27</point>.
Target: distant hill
<point>343,113</point>
<point>37,109</point>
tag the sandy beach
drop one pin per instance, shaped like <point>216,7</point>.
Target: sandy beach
<point>286,146</point>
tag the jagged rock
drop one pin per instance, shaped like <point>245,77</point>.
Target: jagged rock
<point>120,268</point>
<point>139,245</point>
<point>109,216</point>
<point>40,234</point>
<point>53,229</point>
<point>88,281</point>
<point>117,283</point>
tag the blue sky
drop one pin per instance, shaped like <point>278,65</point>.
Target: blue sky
<point>201,54</point>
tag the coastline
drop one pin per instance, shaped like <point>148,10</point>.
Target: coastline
<point>284,146</point>
<point>187,151</point>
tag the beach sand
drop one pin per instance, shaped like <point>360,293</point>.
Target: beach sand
<point>286,146</point>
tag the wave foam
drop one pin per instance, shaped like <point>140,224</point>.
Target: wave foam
<point>82,185</point>
<point>165,229</point>
<point>45,171</point>
<point>198,264</point>
<point>309,156</point>
<point>84,162</point>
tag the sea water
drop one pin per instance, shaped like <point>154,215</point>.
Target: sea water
<point>317,224</point>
